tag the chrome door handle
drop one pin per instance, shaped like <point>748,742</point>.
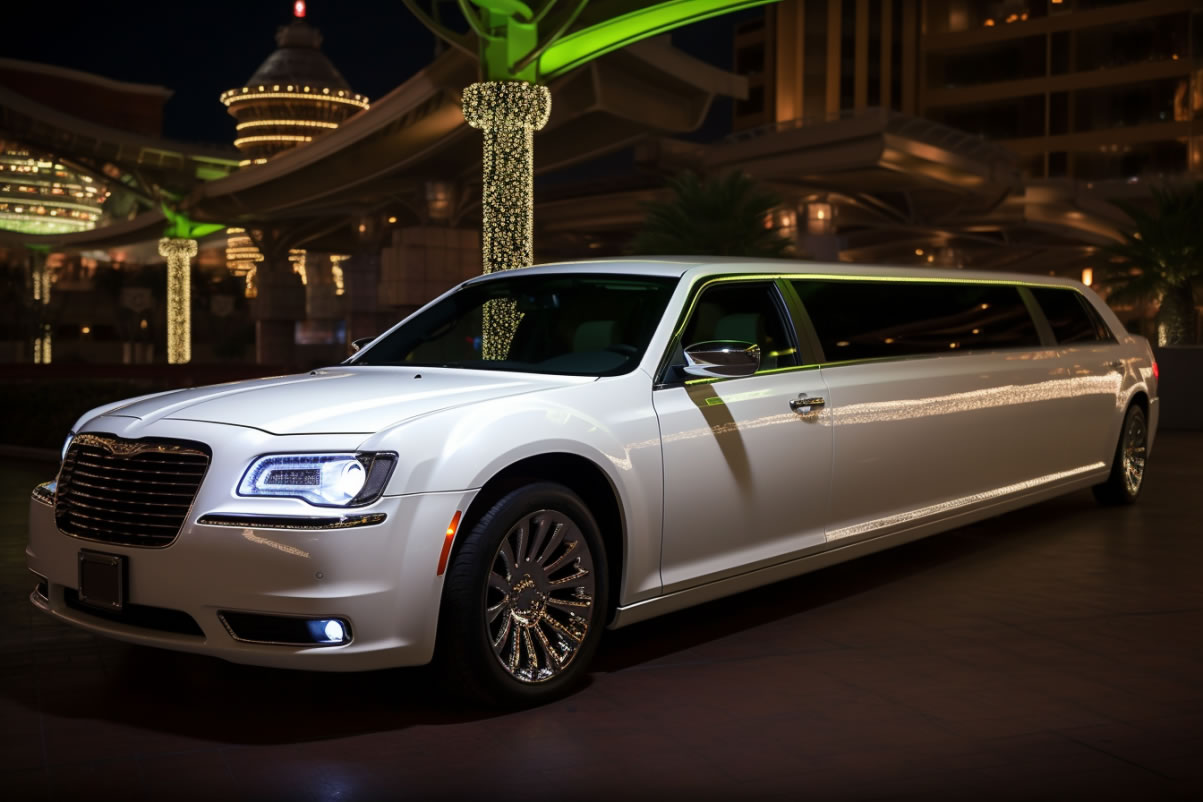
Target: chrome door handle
<point>802,405</point>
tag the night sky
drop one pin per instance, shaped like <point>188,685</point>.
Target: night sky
<point>201,49</point>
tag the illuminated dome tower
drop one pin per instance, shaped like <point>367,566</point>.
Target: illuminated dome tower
<point>39,195</point>
<point>295,96</point>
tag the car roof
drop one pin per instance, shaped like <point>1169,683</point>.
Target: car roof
<point>694,267</point>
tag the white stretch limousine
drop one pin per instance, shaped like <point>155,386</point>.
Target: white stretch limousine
<point>540,453</point>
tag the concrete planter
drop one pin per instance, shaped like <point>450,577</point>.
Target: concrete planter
<point>1181,386</point>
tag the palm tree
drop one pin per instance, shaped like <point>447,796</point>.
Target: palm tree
<point>719,216</point>
<point>1162,260</point>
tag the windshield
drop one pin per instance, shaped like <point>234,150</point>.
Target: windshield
<point>572,324</point>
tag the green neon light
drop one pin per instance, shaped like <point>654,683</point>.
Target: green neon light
<point>180,226</point>
<point>511,46</point>
<point>583,46</point>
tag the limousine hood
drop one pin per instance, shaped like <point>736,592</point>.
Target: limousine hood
<point>351,400</point>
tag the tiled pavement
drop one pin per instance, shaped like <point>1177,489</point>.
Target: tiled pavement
<point>1053,653</point>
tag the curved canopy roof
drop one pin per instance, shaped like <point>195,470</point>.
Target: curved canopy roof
<point>298,59</point>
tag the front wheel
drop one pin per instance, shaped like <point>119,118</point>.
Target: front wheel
<point>1128,465</point>
<point>525,598</point>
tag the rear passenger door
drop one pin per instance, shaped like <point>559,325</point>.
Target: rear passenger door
<point>746,476</point>
<point>935,397</point>
<point>1092,369</point>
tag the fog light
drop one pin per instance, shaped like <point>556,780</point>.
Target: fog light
<point>328,630</point>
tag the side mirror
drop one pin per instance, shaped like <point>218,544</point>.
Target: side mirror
<point>360,343</point>
<point>722,359</point>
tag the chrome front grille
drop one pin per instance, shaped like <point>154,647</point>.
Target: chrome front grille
<point>133,492</point>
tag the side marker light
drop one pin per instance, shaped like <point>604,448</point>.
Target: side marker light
<point>447,541</point>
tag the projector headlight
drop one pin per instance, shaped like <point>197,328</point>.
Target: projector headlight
<point>325,480</point>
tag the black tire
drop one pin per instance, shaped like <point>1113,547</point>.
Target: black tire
<point>1124,484</point>
<point>538,618</point>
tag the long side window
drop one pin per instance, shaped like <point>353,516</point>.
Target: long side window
<point>745,312</point>
<point>876,319</point>
<point>1070,316</point>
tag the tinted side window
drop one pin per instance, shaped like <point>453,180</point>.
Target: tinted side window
<point>748,312</point>
<point>873,319</point>
<point>1069,317</point>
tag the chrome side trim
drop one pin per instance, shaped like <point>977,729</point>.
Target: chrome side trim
<point>304,522</point>
<point>829,553</point>
<point>44,493</point>
<point>952,505</point>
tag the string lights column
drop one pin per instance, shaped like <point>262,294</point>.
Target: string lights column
<point>179,253</point>
<point>507,113</point>
<point>41,299</point>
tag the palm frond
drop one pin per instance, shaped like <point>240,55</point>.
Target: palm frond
<point>722,216</point>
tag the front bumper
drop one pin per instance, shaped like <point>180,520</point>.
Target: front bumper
<point>380,577</point>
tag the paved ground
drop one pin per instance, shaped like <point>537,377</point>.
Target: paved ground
<point>1053,653</point>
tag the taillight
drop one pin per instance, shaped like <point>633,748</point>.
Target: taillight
<point>1156,371</point>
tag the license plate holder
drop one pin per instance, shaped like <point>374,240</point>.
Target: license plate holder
<point>102,580</point>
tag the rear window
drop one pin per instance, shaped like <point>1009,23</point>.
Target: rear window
<point>875,319</point>
<point>1070,316</point>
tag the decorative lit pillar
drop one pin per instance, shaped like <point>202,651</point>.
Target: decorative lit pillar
<point>179,253</point>
<point>508,113</point>
<point>40,276</point>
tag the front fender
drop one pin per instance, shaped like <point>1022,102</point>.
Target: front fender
<point>610,422</point>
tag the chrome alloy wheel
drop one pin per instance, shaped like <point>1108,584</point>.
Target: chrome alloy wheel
<point>539,599</point>
<point>1135,442</point>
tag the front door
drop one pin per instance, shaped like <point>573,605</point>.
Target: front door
<point>746,474</point>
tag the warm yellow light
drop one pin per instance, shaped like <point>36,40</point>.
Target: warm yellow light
<point>362,228</point>
<point>918,252</point>
<point>1087,276</point>
<point>989,23</point>
<point>265,123</point>
<point>931,257</point>
<point>142,325</point>
<point>977,331</point>
<point>888,340</point>
<point>179,253</point>
<point>392,219</point>
<point>507,113</point>
<point>336,272</point>
<point>230,98</point>
<point>271,138</point>
<point>85,329</point>
<point>41,346</point>
<point>297,257</point>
